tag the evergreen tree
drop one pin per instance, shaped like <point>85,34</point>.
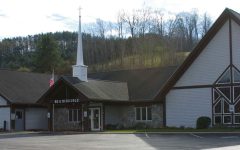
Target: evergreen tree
<point>47,54</point>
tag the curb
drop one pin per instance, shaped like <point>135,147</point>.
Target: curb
<point>74,133</point>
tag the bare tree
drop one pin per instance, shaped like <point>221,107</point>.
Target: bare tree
<point>120,22</point>
<point>101,27</point>
<point>143,17</point>
<point>158,23</point>
<point>205,24</point>
<point>132,21</point>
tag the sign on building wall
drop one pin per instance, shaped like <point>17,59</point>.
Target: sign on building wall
<point>63,101</point>
<point>12,116</point>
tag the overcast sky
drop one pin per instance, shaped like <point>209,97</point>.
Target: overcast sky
<point>28,17</point>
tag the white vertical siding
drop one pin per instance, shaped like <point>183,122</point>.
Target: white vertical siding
<point>184,106</point>
<point>213,60</point>
<point>5,115</point>
<point>236,44</point>
<point>2,101</point>
<point>36,118</point>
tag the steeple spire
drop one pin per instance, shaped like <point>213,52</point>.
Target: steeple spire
<point>79,46</point>
<point>80,70</point>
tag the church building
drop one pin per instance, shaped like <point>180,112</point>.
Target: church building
<point>208,81</point>
<point>206,84</point>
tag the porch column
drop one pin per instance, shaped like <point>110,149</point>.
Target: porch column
<point>103,117</point>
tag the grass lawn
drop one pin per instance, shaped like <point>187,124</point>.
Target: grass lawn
<point>175,130</point>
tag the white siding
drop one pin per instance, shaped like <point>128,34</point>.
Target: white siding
<point>5,115</point>
<point>213,60</point>
<point>2,101</point>
<point>236,44</point>
<point>184,106</point>
<point>36,118</point>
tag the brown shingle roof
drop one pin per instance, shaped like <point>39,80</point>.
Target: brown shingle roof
<point>100,89</point>
<point>123,85</point>
<point>22,87</point>
<point>143,84</point>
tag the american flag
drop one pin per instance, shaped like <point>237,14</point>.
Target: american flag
<point>51,81</point>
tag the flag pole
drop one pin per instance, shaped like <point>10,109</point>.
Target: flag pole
<point>53,119</point>
<point>51,83</point>
<point>53,75</point>
<point>52,80</point>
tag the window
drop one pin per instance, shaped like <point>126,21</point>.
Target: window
<point>74,115</point>
<point>225,78</point>
<point>225,92</point>
<point>237,119</point>
<point>226,107</point>
<point>19,115</point>
<point>216,95</point>
<point>236,92</point>
<point>217,119</point>
<point>143,113</point>
<point>226,97</point>
<point>218,107</point>
<point>236,76</point>
<point>227,119</point>
<point>149,110</point>
<point>237,107</point>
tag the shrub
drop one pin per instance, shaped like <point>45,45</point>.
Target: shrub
<point>111,127</point>
<point>203,122</point>
<point>119,126</point>
<point>182,127</point>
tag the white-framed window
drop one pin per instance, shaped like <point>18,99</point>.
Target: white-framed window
<point>74,115</point>
<point>143,113</point>
<point>237,119</point>
<point>227,119</point>
<point>217,119</point>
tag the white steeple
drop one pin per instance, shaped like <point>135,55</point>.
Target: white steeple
<point>79,46</point>
<point>80,70</point>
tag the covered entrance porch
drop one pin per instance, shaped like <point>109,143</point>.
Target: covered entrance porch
<point>76,105</point>
<point>76,115</point>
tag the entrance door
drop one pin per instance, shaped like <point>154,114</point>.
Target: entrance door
<point>19,119</point>
<point>95,119</point>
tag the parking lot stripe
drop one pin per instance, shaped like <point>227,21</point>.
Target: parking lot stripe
<point>146,135</point>
<point>229,137</point>
<point>196,135</point>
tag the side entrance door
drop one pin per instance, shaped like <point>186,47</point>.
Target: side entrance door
<point>19,119</point>
<point>95,119</point>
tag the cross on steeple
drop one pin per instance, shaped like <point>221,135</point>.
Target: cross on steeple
<point>79,11</point>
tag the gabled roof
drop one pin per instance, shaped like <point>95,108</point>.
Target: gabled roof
<point>22,87</point>
<point>100,89</point>
<point>143,84</point>
<point>92,90</point>
<point>227,14</point>
<point>123,85</point>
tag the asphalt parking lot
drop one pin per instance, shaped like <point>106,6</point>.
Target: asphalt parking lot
<point>119,141</point>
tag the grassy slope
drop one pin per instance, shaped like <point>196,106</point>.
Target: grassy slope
<point>141,61</point>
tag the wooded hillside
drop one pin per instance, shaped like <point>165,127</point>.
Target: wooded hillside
<point>141,38</point>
